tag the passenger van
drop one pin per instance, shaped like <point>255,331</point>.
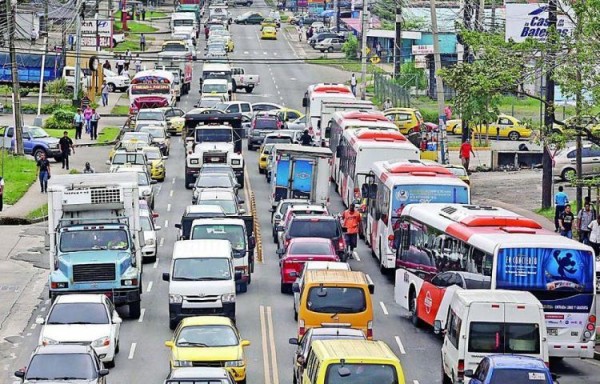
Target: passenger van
<point>352,361</point>
<point>487,322</point>
<point>336,298</point>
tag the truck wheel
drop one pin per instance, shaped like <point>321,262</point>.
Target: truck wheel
<point>37,153</point>
<point>284,287</point>
<point>249,89</point>
<point>69,89</point>
<point>135,310</point>
<point>111,87</point>
<point>243,287</point>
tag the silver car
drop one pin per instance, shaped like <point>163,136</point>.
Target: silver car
<point>564,163</point>
<point>331,44</point>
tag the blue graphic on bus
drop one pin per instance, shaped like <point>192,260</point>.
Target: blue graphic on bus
<point>413,194</point>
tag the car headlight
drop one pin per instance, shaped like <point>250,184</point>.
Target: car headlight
<point>228,298</point>
<point>129,282</point>
<point>182,363</point>
<point>234,363</point>
<point>175,299</point>
<point>235,161</point>
<point>101,342</point>
<point>49,341</point>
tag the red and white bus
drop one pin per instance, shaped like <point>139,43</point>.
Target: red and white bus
<point>152,89</point>
<point>359,148</point>
<point>341,121</point>
<point>313,99</point>
<point>394,185</point>
<point>445,247</point>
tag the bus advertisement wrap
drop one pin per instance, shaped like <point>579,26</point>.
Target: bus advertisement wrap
<point>413,194</point>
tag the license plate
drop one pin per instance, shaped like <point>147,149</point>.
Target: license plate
<point>552,331</point>
<point>215,159</point>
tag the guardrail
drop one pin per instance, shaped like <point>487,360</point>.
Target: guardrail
<point>257,235</point>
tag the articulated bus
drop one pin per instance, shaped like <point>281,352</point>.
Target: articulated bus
<point>152,89</point>
<point>357,151</point>
<point>390,188</point>
<point>313,99</point>
<point>340,121</point>
<point>445,247</point>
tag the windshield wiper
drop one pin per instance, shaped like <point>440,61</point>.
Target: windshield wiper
<point>214,278</point>
<point>191,343</point>
<point>37,378</point>
<point>70,378</point>
<point>186,278</point>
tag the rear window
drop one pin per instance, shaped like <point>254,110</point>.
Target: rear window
<point>362,373</point>
<point>279,140</point>
<point>478,284</point>
<point>336,300</point>
<point>310,249</point>
<point>318,228</point>
<point>519,376</point>
<point>487,337</point>
<point>265,124</point>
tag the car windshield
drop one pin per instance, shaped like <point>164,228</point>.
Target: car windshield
<point>208,103</point>
<point>88,240</point>
<point>233,233</point>
<point>143,180</point>
<point>174,48</point>
<point>198,269</point>
<point>216,88</point>
<point>56,366</point>
<point>150,115</point>
<point>265,123</point>
<point>336,300</point>
<point>361,373</point>
<point>229,206</point>
<point>37,132</point>
<point>268,148</point>
<point>157,133</point>
<point>313,228</point>
<point>153,155</point>
<point>519,376</point>
<point>214,181</point>
<point>128,158</point>
<point>517,338</point>
<point>146,223</point>
<point>207,336</point>
<point>214,135</point>
<point>78,313</point>
<point>310,248</point>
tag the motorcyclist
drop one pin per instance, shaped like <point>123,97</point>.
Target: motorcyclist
<point>306,138</point>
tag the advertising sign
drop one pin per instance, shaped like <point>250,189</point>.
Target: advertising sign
<point>413,194</point>
<point>89,29</point>
<point>531,21</point>
<point>422,49</point>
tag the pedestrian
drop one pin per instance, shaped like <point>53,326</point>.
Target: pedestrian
<point>353,84</point>
<point>106,65</point>
<point>127,60</point>
<point>94,124</point>
<point>586,200</point>
<point>78,123</point>
<point>566,222</point>
<point>465,153</point>
<point>43,172</point>
<point>448,113</point>
<point>66,146</point>
<point>584,218</point>
<point>87,115</point>
<point>138,14</point>
<point>378,49</point>
<point>143,14</point>
<point>306,138</point>
<point>142,42</point>
<point>33,36</point>
<point>88,168</point>
<point>423,144</point>
<point>1,193</point>
<point>105,91</point>
<point>120,65</point>
<point>307,34</point>
<point>206,32</point>
<point>350,221</point>
<point>387,104</point>
<point>138,64</point>
<point>560,202</point>
<point>595,235</point>
<point>300,33</point>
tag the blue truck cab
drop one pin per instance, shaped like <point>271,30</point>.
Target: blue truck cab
<point>94,237</point>
<point>516,369</point>
<point>35,142</point>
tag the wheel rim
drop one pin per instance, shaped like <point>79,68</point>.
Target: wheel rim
<point>514,136</point>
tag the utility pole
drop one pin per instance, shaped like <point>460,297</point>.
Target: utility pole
<point>77,75</point>
<point>481,15</point>
<point>38,119</point>
<point>439,85</point>
<point>336,15</point>
<point>11,14</point>
<point>549,106</point>
<point>398,39</point>
<point>363,55</point>
<point>96,18</point>
<point>467,24</point>
<point>46,23</point>
<point>578,113</point>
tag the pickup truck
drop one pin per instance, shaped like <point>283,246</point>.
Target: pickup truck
<point>241,79</point>
<point>35,142</point>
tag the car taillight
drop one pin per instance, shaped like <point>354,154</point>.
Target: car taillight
<point>461,369</point>
<point>592,319</point>
<point>287,242</point>
<point>370,330</point>
<point>341,244</point>
<point>301,328</point>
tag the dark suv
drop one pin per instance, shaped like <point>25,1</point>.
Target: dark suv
<point>322,226</point>
<point>261,125</point>
<point>322,36</point>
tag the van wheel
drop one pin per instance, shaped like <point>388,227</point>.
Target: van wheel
<point>445,378</point>
<point>135,310</point>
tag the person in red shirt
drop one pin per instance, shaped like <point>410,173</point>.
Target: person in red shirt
<point>465,153</point>
<point>351,220</point>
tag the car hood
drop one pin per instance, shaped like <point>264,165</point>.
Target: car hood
<point>49,140</point>
<point>76,333</point>
<point>62,381</point>
<point>207,353</point>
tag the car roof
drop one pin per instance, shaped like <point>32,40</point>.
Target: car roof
<point>198,373</point>
<point>206,320</point>
<point>190,209</point>
<point>80,298</point>
<point>62,349</point>
<point>326,265</point>
<point>516,361</point>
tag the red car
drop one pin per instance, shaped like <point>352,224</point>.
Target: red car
<point>299,251</point>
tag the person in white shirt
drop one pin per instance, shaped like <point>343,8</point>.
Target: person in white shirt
<point>387,104</point>
<point>1,192</point>
<point>353,84</point>
<point>594,239</point>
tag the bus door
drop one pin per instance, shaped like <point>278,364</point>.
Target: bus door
<point>302,179</point>
<point>368,193</point>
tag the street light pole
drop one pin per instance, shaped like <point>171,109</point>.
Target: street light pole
<point>363,56</point>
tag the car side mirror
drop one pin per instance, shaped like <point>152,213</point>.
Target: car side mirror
<point>242,211</point>
<point>169,344</point>
<point>437,327</point>
<point>238,275</point>
<point>40,320</point>
<point>272,210</point>
<point>20,374</point>
<point>304,101</point>
<point>293,340</point>
<point>241,201</point>
<point>166,276</point>
<point>107,162</point>
<point>178,226</point>
<point>103,372</point>
<point>252,242</point>
<point>116,319</point>
<point>154,182</point>
<point>157,227</point>
<point>296,288</point>
<point>245,343</point>
<point>280,252</point>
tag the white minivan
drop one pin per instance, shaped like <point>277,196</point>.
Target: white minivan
<point>201,280</point>
<point>485,322</point>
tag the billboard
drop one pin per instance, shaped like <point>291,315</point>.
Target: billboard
<point>531,21</point>
<point>89,29</point>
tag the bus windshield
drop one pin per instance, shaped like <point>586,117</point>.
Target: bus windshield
<point>183,23</point>
<point>422,193</point>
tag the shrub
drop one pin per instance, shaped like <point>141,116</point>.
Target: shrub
<point>350,47</point>
<point>430,115</point>
<point>61,119</point>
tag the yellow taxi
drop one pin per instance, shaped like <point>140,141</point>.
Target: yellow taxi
<point>263,158</point>
<point>288,114</point>
<point>408,120</point>
<point>175,119</point>
<point>506,126</point>
<point>268,33</point>
<point>268,22</point>
<point>158,169</point>
<point>204,340</point>
<point>452,125</point>
<point>459,171</point>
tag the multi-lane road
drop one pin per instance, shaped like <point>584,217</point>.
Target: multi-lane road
<point>264,316</point>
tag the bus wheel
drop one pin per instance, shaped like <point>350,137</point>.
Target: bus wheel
<point>413,309</point>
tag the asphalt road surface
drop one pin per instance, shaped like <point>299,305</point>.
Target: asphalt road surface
<point>264,316</point>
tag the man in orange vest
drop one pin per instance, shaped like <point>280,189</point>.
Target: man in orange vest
<point>351,220</point>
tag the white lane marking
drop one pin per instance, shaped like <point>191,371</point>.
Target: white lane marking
<point>142,313</point>
<point>355,256</point>
<point>132,351</point>
<point>383,307</point>
<point>173,181</point>
<point>166,223</point>
<point>274,367</point>
<point>43,309</point>
<point>415,381</point>
<point>274,53</point>
<point>400,346</point>
<point>265,52</point>
<point>246,52</point>
<point>33,326</point>
<point>276,87</point>
<point>47,301</point>
<point>155,264</point>
<point>162,242</point>
<point>171,193</point>
<point>28,334</point>
<point>265,350</point>
<point>149,288</point>
<point>292,78</point>
<point>158,189</point>
<point>168,207</point>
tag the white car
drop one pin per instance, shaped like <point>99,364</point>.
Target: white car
<point>150,246</point>
<point>115,81</point>
<point>84,319</point>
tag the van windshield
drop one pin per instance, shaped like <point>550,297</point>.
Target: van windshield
<point>519,376</point>
<point>233,233</point>
<point>516,338</point>
<point>192,269</point>
<point>336,300</point>
<point>362,373</point>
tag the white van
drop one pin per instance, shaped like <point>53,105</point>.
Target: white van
<point>201,280</point>
<point>215,88</point>
<point>486,322</point>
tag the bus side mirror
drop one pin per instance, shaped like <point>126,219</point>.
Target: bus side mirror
<point>304,101</point>
<point>338,151</point>
<point>437,327</point>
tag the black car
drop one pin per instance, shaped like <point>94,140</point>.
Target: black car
<point>249,18</point>
<point>193,212</point>
<point>322,36</point>
<point>321,226</point>
<point>261,125</point>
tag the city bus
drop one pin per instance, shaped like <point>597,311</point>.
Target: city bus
<point>152,89</point>
<point>313,99</point>
<point>446,247</point>
<point>340,121</point>
<point>359,148</point>
<point>390,187</point>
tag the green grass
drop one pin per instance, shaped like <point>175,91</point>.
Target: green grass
<point>38,213</point>
<point>121,110</point>
<point>58,133</point>
<point>19,174</point>
<point>284,18</point>
<point>108,134</point>
<point>548,213</point>
<point>132,45</point>
<point>135,27</point>
<point>149,14</point>
<point>346,65</point>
